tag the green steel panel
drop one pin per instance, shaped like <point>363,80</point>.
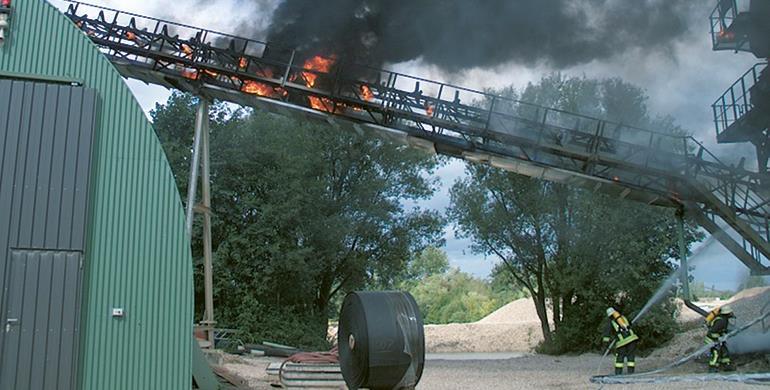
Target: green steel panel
<point>202,375</point>
<point>137,254</point>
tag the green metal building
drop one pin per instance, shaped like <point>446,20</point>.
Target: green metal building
<point>95,266</point>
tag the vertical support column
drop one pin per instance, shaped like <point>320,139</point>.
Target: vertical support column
<point>684,271</point>
<point>201,121</point>
<point>763,155</point>
<point>201,146</point>
<point>208,281</point>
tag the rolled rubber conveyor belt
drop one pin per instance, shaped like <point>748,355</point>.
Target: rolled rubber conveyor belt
<point>647,377</point>
<point>381,341</point>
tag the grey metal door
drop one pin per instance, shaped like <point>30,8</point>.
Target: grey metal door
<point>41,325</point>
<point>46,132</point>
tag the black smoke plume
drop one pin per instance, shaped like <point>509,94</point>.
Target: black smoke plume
<point>461,34</point>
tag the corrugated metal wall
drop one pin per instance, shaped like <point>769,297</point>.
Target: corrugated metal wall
<point>45,154</point>
<point>40,350</point>
<point>137,254</point>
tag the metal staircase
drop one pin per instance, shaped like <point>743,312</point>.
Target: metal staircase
<point>739,114</point>
<point>613,158</point>
<point>742,113</point>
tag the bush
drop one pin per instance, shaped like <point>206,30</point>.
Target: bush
<point>657,327</point>
<point>258,322</point>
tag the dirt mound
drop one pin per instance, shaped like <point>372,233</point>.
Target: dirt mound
<point>482,337</point>
<point>519,311</point>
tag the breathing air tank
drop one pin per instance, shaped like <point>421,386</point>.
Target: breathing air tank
<point>381,341</point>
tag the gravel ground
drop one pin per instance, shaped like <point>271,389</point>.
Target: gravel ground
<point>512,329</point>
<point>526,372</point>
<point>540,372</point>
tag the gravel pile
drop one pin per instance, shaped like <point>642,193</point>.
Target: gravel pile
<point>514,327</point>
<point>747,305</point>
<point>519,311</point>
<point>475,337</point>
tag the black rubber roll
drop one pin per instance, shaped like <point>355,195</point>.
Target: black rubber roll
<point>381,341</point>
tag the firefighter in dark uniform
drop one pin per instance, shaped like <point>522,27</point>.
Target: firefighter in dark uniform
<point>718,322</point>
<point>625,341</point>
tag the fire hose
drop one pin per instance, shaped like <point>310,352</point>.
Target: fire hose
<point>643,377</point>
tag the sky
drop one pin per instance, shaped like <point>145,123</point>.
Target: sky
<point>682,81</point>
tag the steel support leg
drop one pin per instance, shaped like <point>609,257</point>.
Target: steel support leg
<point>683,266</point>
<point>208,282</point>
<point>201,122</point>
<point>200,158</point>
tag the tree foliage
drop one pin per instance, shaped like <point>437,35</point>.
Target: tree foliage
<point>454,297</point>
<point>431,261</point>
<point>302,213</point>
<point>574,251</point>
<point>447,295</point>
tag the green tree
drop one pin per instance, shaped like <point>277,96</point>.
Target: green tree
<point>573,251</point>
<point>504,287</point>
<point>453,297</point>
<point>431,261</point>
<point>302,214</point>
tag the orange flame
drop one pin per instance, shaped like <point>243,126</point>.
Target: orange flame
<point>256,88</point>
<point>243,63</point>
<point>130,36</point>
<point>317,103</point>
<point>191,74</point>
<point>211,73</point>
<point>187,50</point>
<point>726,35</point>
<point>318,64</point>
<point>366,93</point>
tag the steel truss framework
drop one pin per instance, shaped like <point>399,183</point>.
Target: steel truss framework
<point>617,159</point>
<point>742,113</point>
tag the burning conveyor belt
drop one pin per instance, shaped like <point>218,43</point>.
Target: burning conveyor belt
<point>620,160</point>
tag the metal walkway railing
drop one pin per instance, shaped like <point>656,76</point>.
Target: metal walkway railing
<point>732,108</point>
<point>729,27</point>
<point>629,162</point>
